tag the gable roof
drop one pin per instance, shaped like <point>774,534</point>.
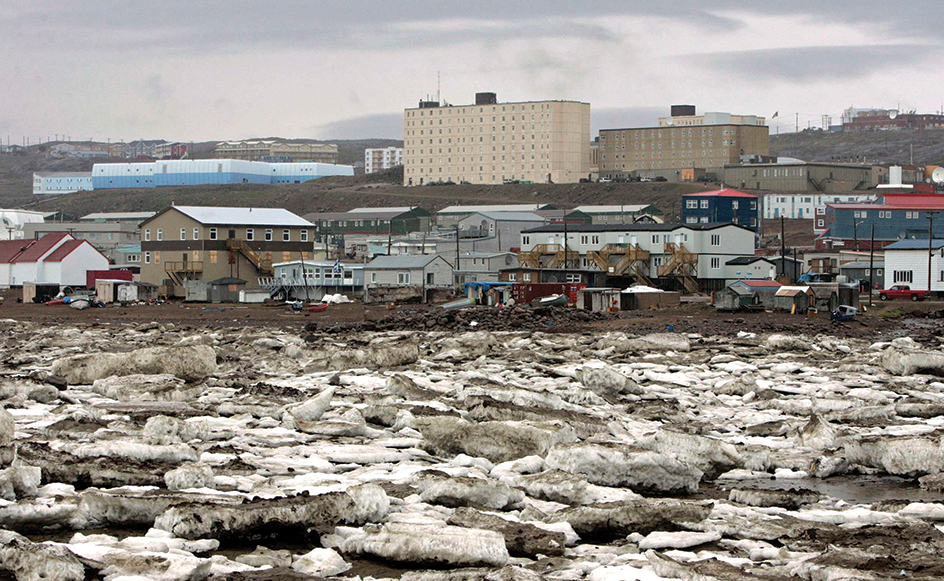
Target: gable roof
<point>10,249</point>
<point>65,249</point>
<point>495,208</point>
<point>384,262</point>
<point>615,209</point>
<point>634,227</point>
<point>222,216</point>
<point>368,210</point>
<point>510,216</point>
<point>748,260</point>
<point>40,247</point>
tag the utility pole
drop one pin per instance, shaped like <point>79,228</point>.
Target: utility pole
<point>783,248</point>
<point>855,235</point>
<point>930,246</point>
<point>456,267</point>
<point>872,263</point>
<point>564,262</point>
<point>796,137</point>
<point>390,235</point>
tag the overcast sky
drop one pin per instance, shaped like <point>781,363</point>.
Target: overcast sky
<point>203,70</point>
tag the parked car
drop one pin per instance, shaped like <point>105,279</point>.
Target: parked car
<point>704,179</point>
<point>660,179</point>
<point>903,291</point>
<point>604,180</point>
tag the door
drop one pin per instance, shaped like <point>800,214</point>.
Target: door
<point>430,278</point>
<point>621,239</point>
<point>232,234</point>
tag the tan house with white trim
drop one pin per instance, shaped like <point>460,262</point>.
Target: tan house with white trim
<point>207,243</point>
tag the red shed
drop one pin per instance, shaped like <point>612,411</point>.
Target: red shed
<point>93,275</point>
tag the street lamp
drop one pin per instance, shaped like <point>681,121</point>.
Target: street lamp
<point>855,233</point>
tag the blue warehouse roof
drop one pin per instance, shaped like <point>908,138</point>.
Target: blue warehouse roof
<point>915,244</point>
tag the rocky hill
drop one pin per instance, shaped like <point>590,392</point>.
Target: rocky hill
<point>868,147</point>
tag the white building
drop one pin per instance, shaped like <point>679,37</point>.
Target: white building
<point>12,222</point>
<point>906,262</point>
<point>379,159</point>
<point>61,182</point>
<point>697,254</point>
<point>56,258</point>
<point>806,206</point>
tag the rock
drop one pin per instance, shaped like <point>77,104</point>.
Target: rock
<point>322,511</point>
<point>710,455</point>
<point>168,430</point>
<point>613,520</point>
<point>623,465</point>
<point>465,491</point>
<point>189,476</point>
<point>371,503</point>
<point>429,544</point>
<point>555,485</point>
<point>910,362</point>
<point>44,394</point>
<point>932,482</point>
<point>314,408</point>
<point>191,363</point>
<point>137,387</point>
<point>30,561</point>
<point>521,539</point>
<point>497,441</point>
<point>321,563</point>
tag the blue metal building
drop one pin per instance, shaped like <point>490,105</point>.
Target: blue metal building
<point>721,206</point>
<point>197,172</point>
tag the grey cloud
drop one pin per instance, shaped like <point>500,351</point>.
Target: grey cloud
<point>616,117</point>
<point>156,90</point>
<point>813,63</point>
<point>381,125</point>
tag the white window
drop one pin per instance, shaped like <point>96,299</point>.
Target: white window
<point>268,235</point>
<point>196,233</point>
<point>250,234</point>
<point>594,240</point>
<point>512,277</point>
<point>704,204</point>
<point>286,235</point>
<point>716,239</point>
<point>160,234</point>
<point>527,277</point>
<point>525,240</point>
<point>573,278</point>
<point>903,276</point>
<point>715,262</point>
<point>820,223</point>
<point>691,204</point>
<point>147,234</point>
<point>147,257</point>
<point>304,235</point>
<point>691,220</point>
<point>373,277</point>
<point>183,233</point>
<point>821,211</point>
<point>734,204</point>
<point>703,219</point>
<point>212,233</point>
<point>403,278</point>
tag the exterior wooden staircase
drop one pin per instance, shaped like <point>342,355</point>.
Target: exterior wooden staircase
<point>681,264</point>
<point>262,264</point>
<point>629,258</point>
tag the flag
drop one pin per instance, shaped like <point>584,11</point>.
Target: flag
<point>337,265</point>
<point>775,115</point>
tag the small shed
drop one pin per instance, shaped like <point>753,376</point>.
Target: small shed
<point>747,295</point>
<point>131,292</point>
<point>225,290</point>
<point>641,297</point>
<point>106,289</point>
<point>196,291</point>
<point>39,292</point>
<point>794,299</point>
<point>598,299</point>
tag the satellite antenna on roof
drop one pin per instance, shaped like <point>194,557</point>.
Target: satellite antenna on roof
<point>937,176</point>
<point>893,113</point>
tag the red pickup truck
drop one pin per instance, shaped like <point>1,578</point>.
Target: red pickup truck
<point>903,291</point>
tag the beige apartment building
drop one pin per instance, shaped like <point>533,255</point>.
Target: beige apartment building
<point>209,243</point>
<point>270,150</point>
<point>678,148</point>
<point>492,143</point>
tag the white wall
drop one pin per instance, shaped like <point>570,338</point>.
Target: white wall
<point>915,261</point>
<point>74,267</point>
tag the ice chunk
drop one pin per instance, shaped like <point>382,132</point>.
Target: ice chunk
<point>196,522</point>
<point>901,456</point>
<point>521,539</point>
<point>465,491</point>
<point>314,408</point>
<point>497,441</point>
<point>138,387</point>
<point>677,540</point>
<point>38,562</point>
<point>7,427</point>
<point>912,361</point>
<point>189,476</point>
<point>321,563</point>
<point>604,380</point>
<point>191,363</point>
<point>617,519</point>
<point>430,544</point>
<point>371,503</point>
<point>710,455</point>
<point>623,465</point>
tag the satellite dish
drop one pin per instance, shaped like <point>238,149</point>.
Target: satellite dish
<point>937,176</point>
<point>893,113</point>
